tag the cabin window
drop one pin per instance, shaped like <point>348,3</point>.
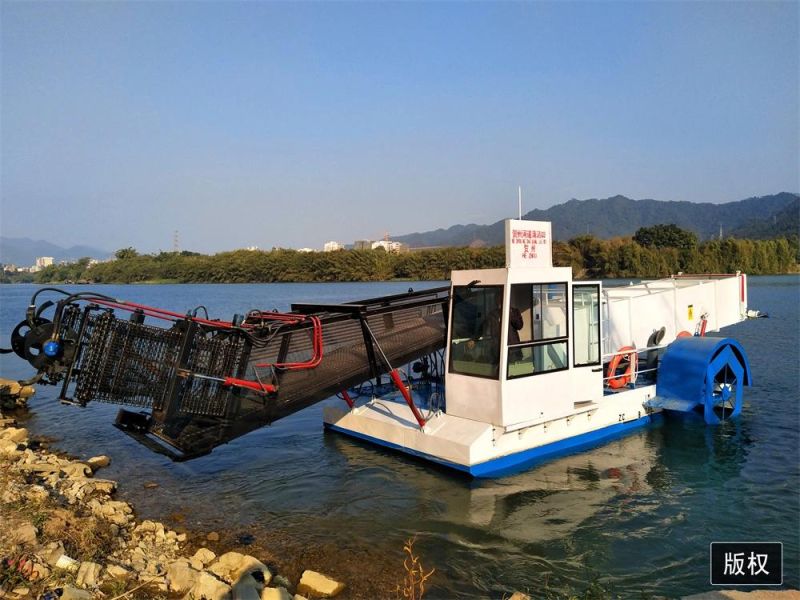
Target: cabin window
<point>538,326</point>
<point>475,343</point>
<point>586,322</point>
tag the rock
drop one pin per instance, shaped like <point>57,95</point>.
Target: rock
<point>196,564</point>
<point>150,485</point>
<point>104,487</point>
<point>138,563</point>
<point>146,525</point>
<point>20,592</point>
<point>118,572</point>
<point>76,470</point>
<point>246,590</point>
<point>232,567</point>
<point>519,596</point>
<point>98,462</point>
<point>114,511</point>
<point>8,447</point>
<point>71,593</point>
<point>209,587</point>
<point>52,552</point>
<point>204,555</point>
<point>14,389</point>
<point>281,581</point>
<point>181,537</point>
<point>25,535</point>
<point>67,564</point>
<point>317,584</point>
<point>40,467</point>
<point>276,593</point>
<point>299,597</point>
<point>14,434</point>
<point>36,493</point>
<point>181,577</point>
<point>213,537</point>
<point>88,574</point>
<point>154,581</point>
<point>153,568</point>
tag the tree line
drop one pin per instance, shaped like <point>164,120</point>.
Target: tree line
<point>657,251</point>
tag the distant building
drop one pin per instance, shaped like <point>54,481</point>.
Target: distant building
<point>305,250</point>
<point>44,261</point>
<point>362,244</point>
<point>332,247</point>
<point>252,248</point>
<point>393,247</point>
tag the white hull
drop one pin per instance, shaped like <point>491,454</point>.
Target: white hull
<point>484,450</point>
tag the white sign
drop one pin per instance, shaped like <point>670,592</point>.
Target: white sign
<point>529,244</point>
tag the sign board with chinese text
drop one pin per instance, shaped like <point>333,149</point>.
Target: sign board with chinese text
<point>529,244</point>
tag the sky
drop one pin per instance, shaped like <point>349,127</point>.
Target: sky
<point>291,124</point>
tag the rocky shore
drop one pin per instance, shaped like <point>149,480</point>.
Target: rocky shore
<point>64,535</point>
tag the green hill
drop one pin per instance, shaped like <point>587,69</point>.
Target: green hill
<point>621,216</point>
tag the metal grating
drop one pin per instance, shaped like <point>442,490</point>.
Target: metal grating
<point>125,362</point>
<point>218,357</point>
<point>178,373</point>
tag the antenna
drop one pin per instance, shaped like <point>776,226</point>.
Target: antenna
<point>176,246</point>
<point>519,189</point>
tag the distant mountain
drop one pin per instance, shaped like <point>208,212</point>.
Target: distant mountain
<point>620,216</point>
<point>784,223</point>
<point>24,251</point>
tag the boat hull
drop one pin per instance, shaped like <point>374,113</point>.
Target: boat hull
<point>482,450</point>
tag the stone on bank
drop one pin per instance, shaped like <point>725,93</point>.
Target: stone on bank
<point>318,585</point>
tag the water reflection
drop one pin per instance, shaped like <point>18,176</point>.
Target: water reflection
<point>541,504</point>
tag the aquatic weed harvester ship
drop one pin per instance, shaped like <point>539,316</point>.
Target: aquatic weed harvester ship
<point>501,369</point>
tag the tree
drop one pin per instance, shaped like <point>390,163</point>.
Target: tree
<point>665,236</point>
<point>126,253</point>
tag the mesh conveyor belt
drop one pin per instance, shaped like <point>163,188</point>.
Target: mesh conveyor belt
<point>341,368</point>
<point>203,382</point>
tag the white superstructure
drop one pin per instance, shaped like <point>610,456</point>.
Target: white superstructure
<point>527,356</point>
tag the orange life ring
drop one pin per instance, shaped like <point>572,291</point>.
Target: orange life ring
<point>683,333</point>
<point>617,381</point>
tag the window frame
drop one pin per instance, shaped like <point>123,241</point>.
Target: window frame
<point>501,288</point>
<point>546,341</point>
<point>599,360</point>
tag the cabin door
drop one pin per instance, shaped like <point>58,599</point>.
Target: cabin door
<point>586,341</point>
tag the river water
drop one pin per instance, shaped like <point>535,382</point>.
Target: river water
<point>634,516</point>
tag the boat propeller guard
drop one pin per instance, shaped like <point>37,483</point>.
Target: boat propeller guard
<point>703,374</point>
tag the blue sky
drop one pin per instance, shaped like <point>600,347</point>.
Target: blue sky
<point>290,124</point>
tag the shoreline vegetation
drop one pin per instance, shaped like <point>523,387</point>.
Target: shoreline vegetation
<point>658,251</point>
